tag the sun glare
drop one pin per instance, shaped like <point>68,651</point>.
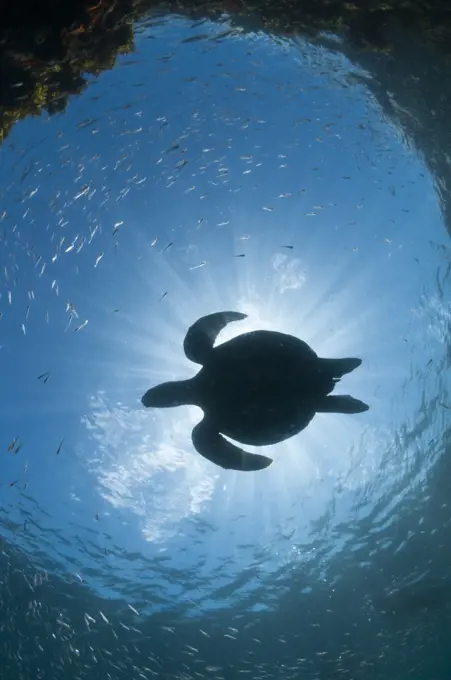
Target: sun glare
<point>145,460</point>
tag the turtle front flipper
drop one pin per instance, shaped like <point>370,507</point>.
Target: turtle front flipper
<point>201,336</point>
<point>215,448</point>
<point>341,404</point>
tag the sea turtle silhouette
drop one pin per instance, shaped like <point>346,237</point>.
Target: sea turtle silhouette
<point>259,388</point>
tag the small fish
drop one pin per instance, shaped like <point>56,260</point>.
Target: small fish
<point>289,247</point>
<point>71,309</point>
<point>103,616</point>
<point>83,192</point>
<point>81,326</point>
<point>264,207</point>
<point>167,247</point>
<point>162,297</point>
<point>86,122</point>
<point>44,377</point>
<point>58,450</point>
<point>99,257</point>
<point>198,266</point>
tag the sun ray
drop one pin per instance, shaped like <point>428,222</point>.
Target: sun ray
<point>310,463</point>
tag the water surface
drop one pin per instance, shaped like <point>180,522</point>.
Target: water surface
<point>207,173</point>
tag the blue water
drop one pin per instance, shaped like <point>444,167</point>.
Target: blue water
<point>169,189</point>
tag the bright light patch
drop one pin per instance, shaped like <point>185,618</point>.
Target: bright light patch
<point>149,469</point>
<point>289,271</point>
<point>145,461</point>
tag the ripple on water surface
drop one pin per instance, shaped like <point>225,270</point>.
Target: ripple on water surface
<point>221,169</point>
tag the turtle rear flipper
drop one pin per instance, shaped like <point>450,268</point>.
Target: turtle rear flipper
<point>215,448</point>
<point>341,404</point>
<point>169,394</point>
<point>339,367</point>
<point>201,336</point>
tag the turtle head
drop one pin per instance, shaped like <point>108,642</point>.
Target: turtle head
<point>168,394</point>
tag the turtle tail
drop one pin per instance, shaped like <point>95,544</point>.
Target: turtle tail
<point>169,394</point>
